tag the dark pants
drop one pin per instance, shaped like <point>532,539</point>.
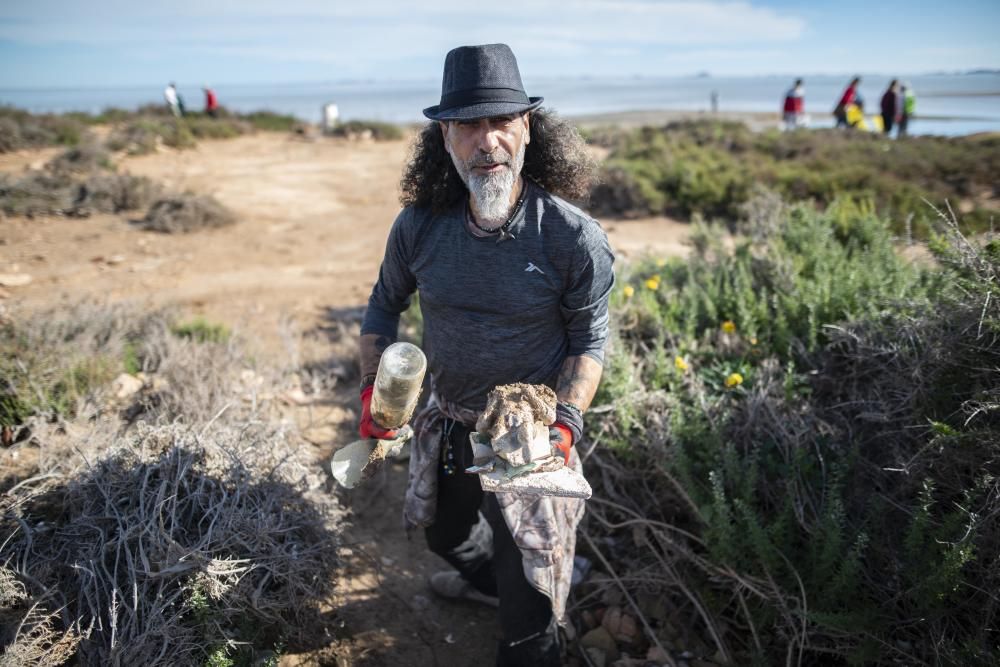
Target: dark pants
<point>887,120</point>
<point>904,121</point>
<point>470,533</point>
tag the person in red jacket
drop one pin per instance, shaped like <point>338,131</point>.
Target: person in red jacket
<point>211,102</point>
<point>850,96</point>
<point>794,109</point>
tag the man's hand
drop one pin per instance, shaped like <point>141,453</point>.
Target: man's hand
<point>367,428</point>
<point>562,440</point>
<point>567,429</point>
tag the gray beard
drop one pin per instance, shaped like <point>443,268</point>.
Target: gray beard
<point>491,192</point>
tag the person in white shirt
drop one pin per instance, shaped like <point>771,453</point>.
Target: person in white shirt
<point>173,100</point>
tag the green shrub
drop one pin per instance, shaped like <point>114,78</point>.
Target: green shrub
<point>808,427</point>
<point>711,167</point>
<point>201,330</point>
<point>271,121</point>
<point>21,129</point>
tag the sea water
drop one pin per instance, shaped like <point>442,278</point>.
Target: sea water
<point>948,104</point>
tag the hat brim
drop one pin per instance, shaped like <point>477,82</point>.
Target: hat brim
<point>482,110</point>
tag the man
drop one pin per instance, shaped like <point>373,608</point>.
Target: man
<point>173,100</point>
<point>890,106</point>
<point>908,109</point>
<point>211,102</point>
<point>850,96</point>
<point>514,285</point>
<point>793,111</point>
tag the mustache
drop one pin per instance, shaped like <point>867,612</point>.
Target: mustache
<point>499,156</point>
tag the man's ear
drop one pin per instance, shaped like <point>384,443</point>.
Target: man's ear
<point>527,128</point>
<point>444,128</point>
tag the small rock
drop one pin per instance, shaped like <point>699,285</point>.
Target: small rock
<point>621,625</point>
<point>387,562</point>
<point>589,619</point>
<point>600,638</point>
<point>115,259</point>
<point>449,638</point>
<point>126,385</point>
<point>420,602</point>
<point>14,279</point>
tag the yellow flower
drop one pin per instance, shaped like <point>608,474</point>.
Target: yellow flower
<point>680,364</point>
<point>753,340</point>
<point>628,291</point>
<point>729,326</point>
<point>734,380</point>
<point>653,283</point>
<point>660,263</point>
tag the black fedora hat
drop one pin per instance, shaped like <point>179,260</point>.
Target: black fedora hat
<point>480,82</point>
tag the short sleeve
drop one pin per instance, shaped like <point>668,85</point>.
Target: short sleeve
<point>585,303</point>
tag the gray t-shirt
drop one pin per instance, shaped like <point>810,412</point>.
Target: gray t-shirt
<point>496,313</point>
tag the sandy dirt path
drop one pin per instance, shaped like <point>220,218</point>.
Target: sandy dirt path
<point>313,218</point>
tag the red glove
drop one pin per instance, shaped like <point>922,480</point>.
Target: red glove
<point>367,428</point>
<point>561,438</point>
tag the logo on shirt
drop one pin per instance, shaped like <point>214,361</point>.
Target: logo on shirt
<point>532,267</point>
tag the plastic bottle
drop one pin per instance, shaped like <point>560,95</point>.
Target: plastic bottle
<point>397,385</point>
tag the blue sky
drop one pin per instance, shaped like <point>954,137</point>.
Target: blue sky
<point>70,43</point>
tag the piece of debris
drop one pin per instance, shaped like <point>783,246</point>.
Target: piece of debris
<point>14,279</point>
<point>511,449</point>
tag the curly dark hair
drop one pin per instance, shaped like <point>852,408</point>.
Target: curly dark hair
<point>556,158</point>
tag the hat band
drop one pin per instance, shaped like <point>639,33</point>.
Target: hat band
<point>463,98</point>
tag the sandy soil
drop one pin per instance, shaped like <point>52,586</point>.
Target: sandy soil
<point>314,215</point>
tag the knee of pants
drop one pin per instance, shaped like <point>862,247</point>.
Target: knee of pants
<point>465,543</point>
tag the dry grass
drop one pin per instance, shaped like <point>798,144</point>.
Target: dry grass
<point>76,183</point>
<point>186,213</point>
<point>174,541</point>
<point>203,534</point>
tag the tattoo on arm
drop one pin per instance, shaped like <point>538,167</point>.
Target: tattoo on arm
<point>578,380</point>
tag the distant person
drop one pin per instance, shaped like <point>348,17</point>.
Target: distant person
<point>849,97</point>
<point>714,97</point>
<point>795,106</point>
<point>173,98</point>
<point>890,106</point>
<point>909,108</point>
<point>211,102</point>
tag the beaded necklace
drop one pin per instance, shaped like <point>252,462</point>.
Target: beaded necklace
<point>504,229</point>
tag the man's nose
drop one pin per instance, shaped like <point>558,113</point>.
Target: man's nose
<point>488,141</point>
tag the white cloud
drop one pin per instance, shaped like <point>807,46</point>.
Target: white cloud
<point>622,22</point>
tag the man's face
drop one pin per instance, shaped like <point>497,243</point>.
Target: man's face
<point>488,154</point>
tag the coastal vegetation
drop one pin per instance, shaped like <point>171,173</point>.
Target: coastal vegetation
<point>710,168</point>
<point>795,449</point>
<point>84,180</point>
<point>143,130</point>
<point>808,427</point>
<point>158,513</point>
